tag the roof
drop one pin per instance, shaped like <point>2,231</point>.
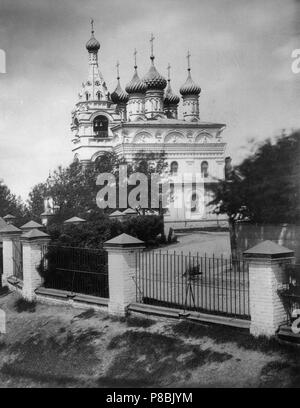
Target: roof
<point>2,223</point>
<point>31,224</point>
<point>9,217</point>
<point>268,249</point>
<point>170,122</point>
<point>129,211</point>
<point>74,219</point>
<point>9,228</point>
<point>115,213</point>
<point>34,233</point>
<point>124,240</point>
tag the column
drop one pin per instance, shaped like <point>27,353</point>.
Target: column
<point>122,254</point>
<point>267,262</point>
<point>34,243</point>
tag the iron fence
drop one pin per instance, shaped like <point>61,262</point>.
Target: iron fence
<point>77,270</point>
<point>193,282</point>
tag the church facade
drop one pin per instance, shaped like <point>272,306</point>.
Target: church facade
<point>144,118</point>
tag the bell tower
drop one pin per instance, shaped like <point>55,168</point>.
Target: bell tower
<point>95,112</point>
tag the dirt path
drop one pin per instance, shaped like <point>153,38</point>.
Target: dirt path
<point>65,347</point>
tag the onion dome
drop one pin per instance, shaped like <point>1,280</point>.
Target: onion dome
<point>189,87</point>
<point>92,45</point>
<point>118,95</point>
<point>153,79</point>
<point>136,85</point>
<point>170,98</point>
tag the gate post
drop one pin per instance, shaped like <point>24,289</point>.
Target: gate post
<point>34,242</point>
<point>122,252</point>
<point>266,272</point>
<point>9,233</point>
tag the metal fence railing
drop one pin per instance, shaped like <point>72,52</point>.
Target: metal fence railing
<point>193,282</point>
<point>77,270</point>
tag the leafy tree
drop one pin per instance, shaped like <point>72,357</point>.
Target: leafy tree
<point>264,188</point>
<point>10,204</point>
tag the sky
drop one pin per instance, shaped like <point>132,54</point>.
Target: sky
<point>241,58</point>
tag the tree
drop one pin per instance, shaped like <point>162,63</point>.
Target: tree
<point>74,188</point>
<point>264,188</point>
<point>10,204</point>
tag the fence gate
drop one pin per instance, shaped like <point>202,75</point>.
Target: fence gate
<point>190,282</point>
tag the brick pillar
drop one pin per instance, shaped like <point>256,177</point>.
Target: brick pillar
<point>122,252</point>
<point>266,272</point>
<point>34,242</point>
<point>10,236</point>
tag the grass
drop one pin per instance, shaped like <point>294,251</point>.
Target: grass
<point>23,305</point>
<point>154,359</point>
<point>132,321</point>
<point>139,322</point>
<point>87,314</point>
<point>280,372</point>
<point>53,359</point>
<point>223,334</point>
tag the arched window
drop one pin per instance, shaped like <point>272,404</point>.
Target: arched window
<point>100,126</point>
<point>86,96</point>
<point>76,123</point>
<point>174,168</point>
<point>98,96</point>
<point>204,169</point>
<point>194,202</point>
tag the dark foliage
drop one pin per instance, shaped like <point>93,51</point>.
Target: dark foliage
<point>265,187</point>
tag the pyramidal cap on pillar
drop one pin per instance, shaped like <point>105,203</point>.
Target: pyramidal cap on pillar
<point>35,235</point>
<point>268,250</point>
<point>31,225</point>
<point>124,241</point>
<point>9,230</point>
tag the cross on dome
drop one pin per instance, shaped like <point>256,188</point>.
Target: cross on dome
<point>151,41</point>
<point>169,70</point>
<point>92,26</point>
<point>134,54</point>
<point>118,71</point>
<point>188,56</point>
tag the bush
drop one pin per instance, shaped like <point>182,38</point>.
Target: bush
<point>99,228</point>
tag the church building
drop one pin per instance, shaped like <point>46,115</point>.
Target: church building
<point>144,117</point>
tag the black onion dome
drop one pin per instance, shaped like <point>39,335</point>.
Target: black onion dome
<point>118,95</point>
<point>92,45</point>
<point>136,85</point>
<point>171,98</point>
<point>154,80</point>
<point>189,87</point>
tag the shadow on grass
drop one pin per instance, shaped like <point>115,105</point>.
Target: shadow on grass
<point>154,359</point>
<point>282,374</point>
<point>223,334</point>
<point>87,314</point>
<point>23,305</point>
<point>52,359</point>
